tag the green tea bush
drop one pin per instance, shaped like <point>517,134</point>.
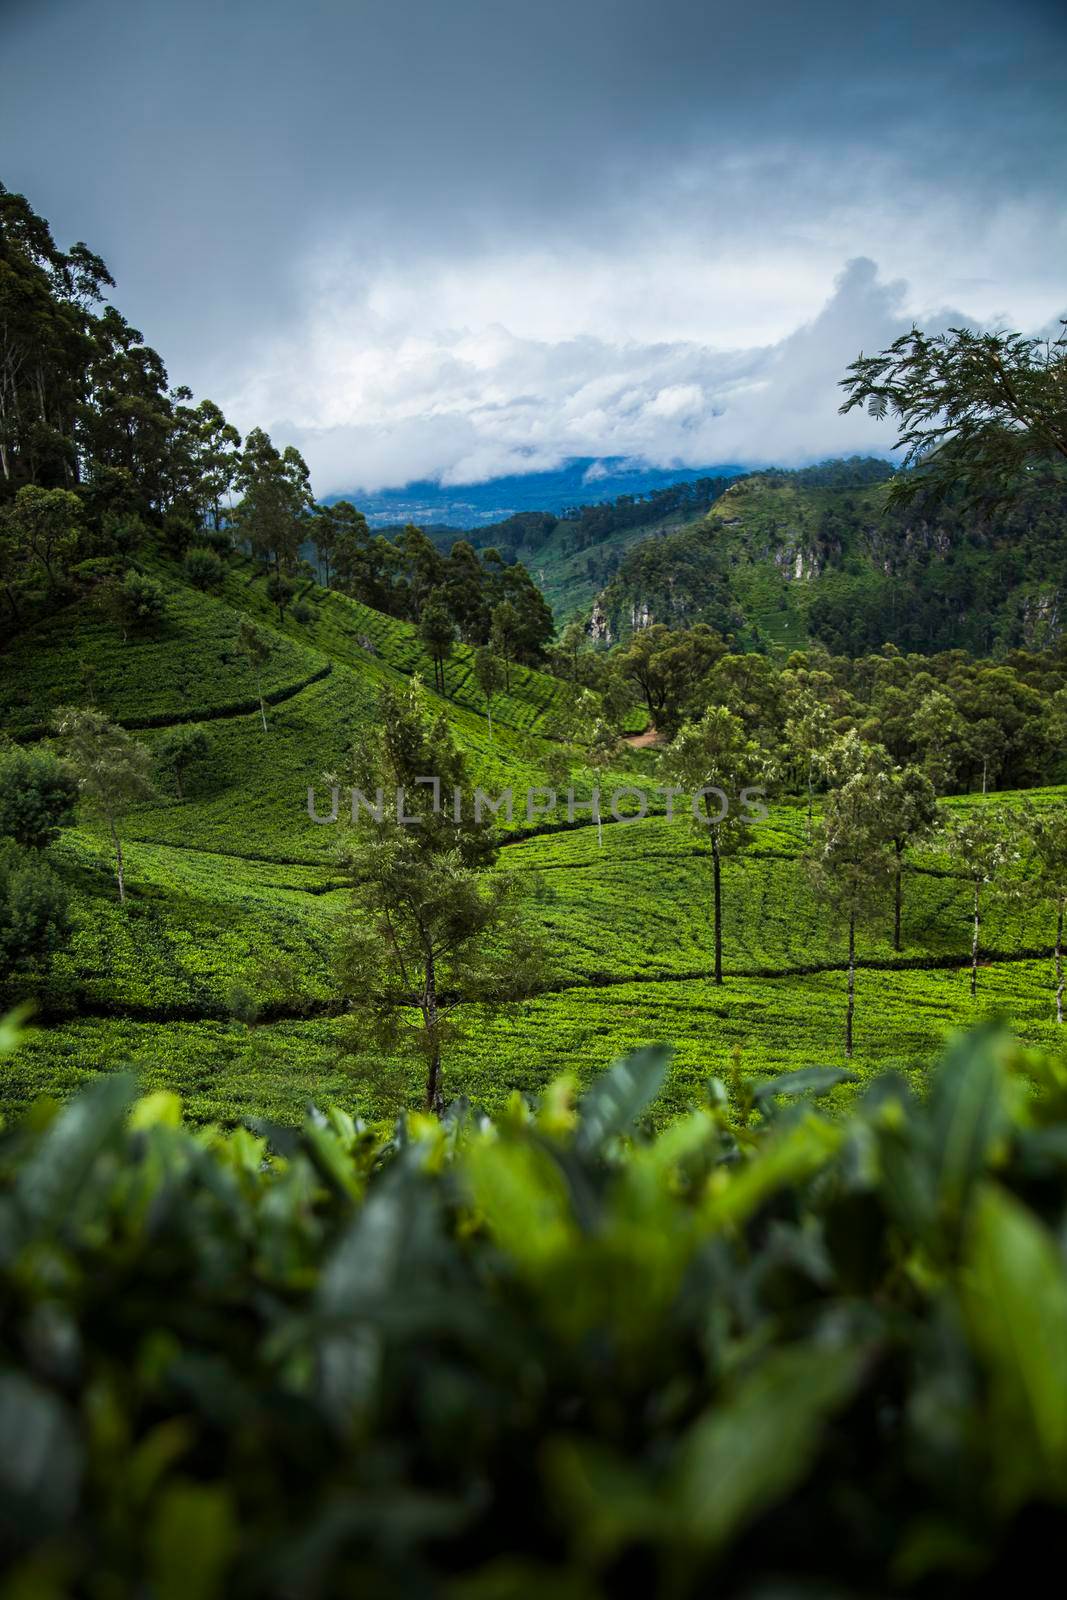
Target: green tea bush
<point>759,1352</point>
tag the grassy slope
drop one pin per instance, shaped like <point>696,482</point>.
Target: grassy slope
<point>234,889</point>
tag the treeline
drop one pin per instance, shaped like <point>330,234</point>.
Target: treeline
<point>968,724</point>
<point>463,593</point>
<point>100,457</point>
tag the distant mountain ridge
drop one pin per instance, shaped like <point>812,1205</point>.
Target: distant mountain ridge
<point>582,481</point>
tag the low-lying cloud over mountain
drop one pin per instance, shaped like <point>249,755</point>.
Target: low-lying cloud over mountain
<point>376,405</point>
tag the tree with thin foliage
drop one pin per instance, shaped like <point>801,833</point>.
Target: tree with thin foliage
<point>1045,836</point>
<point>431,928</point>
<point>257,649</point>
<point>502,634</point>
<point>850,863</point>
<point>984,844</point>
<point>808,732</point>
<point>910,816</point>
<point>976,411</point>
<point>601,753</point>
<point>489,676</point>
<point>113,770</point>
<point>716,754</point>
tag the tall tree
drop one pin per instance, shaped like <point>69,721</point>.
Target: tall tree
<point>910,817</point>
<point>1045,834</point>
<point>113,770</point>
<point>716,754</point>
<point>430,928</point>
<point>489,676</point>
<point>850,862</point>
<point>257,649</point>
<point>437,635</point>
<point>808,732</point>
<point>502,637</point>
<point>272,514</point>
<point>984,844</point>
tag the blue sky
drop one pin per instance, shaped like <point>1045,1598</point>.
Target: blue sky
<point>424,239</point>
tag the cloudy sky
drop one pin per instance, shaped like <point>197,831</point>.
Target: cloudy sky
<point>456,238</point>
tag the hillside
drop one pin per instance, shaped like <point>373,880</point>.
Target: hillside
<point>215,979</point>
<point>782,559</point>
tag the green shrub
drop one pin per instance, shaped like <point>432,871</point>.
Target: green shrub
<point>204,567</point>
<point>760,1352</point>
<point>38,796</point>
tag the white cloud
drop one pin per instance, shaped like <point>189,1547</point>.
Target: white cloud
<point>374,402</point>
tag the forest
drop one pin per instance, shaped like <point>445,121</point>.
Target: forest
<point>334,1147</point>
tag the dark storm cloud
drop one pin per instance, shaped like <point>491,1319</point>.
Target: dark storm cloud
<point>211,151</point>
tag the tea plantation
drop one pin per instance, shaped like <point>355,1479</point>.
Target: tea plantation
<point>215,979</point>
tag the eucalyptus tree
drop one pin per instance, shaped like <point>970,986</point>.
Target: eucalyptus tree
<point>1045,834</point>
<point>257,649</point>
<point>984,844</point>
<point>112,768</point>
<point>713,760</point>
<point>437,635</point>
<point>489,676</point>
<point>431,928</point>
<point>910,817</point>
<point>503,631</point>
<point>602,751</point>
<point>272,514</point>
<point>850,861</point>
<point>809,731</point>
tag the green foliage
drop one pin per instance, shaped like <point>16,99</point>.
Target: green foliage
<point>136,603</point>
<point>33,908</point>
<point>180,749</point>
<point>204,567</point>
<point>976,410</point>
<point>290,1361</point>
<point>37,796</point>
<point>427,928</point>
<point>111,767</point>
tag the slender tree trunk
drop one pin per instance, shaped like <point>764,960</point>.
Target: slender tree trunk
<point>178,782</point>
<point>974,938</point>
<point>262,707</point>
<point>489,717</point>
<point>120,871</point>
<point>1059,961</point>
<point>897,895</point>
<point>434,1098</point>
<point>716,867</point>
<point>851,1008</point>
<point>985,774</point>
<point>810,799</point>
